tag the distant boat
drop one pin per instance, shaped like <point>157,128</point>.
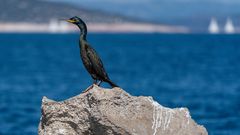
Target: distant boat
<point>213,27</point>
<point>229,28</point>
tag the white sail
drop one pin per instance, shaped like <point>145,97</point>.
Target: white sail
<point>229,28</point>
<point>213,27</point>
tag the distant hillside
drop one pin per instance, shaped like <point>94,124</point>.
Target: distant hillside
<point>194,14</point>
<point>42,12</point>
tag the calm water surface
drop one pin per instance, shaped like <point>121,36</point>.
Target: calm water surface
<point>200,72</point>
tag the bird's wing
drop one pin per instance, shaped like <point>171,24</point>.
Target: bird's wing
<point>96,62</point>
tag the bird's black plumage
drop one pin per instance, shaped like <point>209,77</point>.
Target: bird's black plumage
<point>90,58</point>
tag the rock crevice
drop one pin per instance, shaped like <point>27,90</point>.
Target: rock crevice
<point>114,112</point>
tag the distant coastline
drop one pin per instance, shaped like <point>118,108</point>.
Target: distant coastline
<point>56,27</point>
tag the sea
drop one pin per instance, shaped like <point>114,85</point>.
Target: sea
<point>197,71</point>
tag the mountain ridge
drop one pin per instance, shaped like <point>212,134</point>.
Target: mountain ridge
<point>35,11</point>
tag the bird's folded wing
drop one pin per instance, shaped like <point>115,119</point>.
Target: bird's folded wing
<point>96,62</point>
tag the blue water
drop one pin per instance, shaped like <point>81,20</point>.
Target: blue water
<point>200,72</point>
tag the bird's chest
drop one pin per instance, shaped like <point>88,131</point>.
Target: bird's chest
<point>85,58</point>
<point>83,51</point>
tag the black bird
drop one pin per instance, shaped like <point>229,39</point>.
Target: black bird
<point>90,59</point>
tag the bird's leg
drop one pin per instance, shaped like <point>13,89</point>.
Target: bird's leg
<point>95,82</point>
<point>90,87</point>
<point>98,84</point>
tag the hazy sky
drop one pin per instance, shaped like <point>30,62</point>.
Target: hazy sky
<point>166,10</point>
<point>147,1</point>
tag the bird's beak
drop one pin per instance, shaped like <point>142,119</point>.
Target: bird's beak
<point>71,21</point>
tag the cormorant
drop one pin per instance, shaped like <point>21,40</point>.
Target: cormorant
<point>90,59</point>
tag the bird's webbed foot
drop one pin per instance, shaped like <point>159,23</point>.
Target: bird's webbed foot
<point>96,82</point>
<point>99,83</point>
<point>90,87</point>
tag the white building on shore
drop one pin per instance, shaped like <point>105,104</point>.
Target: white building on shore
<point>56,26</point>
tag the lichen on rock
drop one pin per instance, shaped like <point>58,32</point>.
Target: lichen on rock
<point>114,112</point>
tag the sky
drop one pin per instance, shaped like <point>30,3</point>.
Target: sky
<point>150,7</point>
<point>114,1</point>
<point>183,12</point>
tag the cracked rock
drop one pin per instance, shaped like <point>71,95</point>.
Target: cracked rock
<point>114,112</point>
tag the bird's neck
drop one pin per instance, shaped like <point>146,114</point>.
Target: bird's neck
<point>83,34</point>
<point>82,40</point>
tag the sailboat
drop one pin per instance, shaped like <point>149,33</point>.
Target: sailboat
<point>229,28</point>
<point>213,27</point>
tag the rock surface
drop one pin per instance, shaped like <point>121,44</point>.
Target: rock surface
<point>114,112</point>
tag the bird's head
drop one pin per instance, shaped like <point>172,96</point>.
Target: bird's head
<point>79,22</point>
<point>76,20</point>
